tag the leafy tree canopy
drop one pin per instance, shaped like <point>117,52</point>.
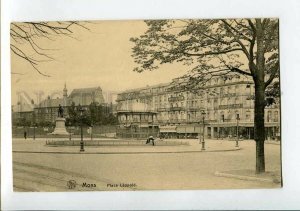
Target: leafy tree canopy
<point>217,48</point>
<point>211,48</point>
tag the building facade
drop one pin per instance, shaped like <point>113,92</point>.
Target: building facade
<point>47,110</point>
<point>224,105</point>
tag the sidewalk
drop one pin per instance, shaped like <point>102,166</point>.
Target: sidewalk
<point>39,146</point>
<point>272,142</point>
<point>250,175</point>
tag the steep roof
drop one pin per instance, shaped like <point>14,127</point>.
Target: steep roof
<point>85,90</point>
<point>145,88</point>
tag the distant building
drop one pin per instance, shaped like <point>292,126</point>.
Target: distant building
<point>178,112</point>
<point>46,110</point>
<point>86,96</point>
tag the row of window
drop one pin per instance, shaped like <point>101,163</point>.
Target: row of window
<point>230,115</point>
<point>217,91</point>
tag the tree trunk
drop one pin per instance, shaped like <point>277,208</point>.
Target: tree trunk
<point>259,127</point>
<point>259,109</point>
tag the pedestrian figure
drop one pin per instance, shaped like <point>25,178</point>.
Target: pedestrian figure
<point>25,135</point>
<point>150,139</point>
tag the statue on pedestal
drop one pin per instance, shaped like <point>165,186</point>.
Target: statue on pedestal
<point>60,123</point>
<point>60,112</point>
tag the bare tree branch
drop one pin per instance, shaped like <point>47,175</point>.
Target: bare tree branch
<point>29,33</point>
<point>213,53</point>
<point>228,27</point>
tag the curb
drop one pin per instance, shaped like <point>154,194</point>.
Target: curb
<point>51,152</point>
<point>248,178</point>
<point>273,143</point>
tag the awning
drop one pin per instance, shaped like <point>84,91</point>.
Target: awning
<point>167,129</point>
<point>186,129</point>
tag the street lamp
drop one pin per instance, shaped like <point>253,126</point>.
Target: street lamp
<point>249,98</point>
<point>70,135</point>
<point>237,130</point>
<point>81,109</point>
<point>91,132</point>
<point>33,131</point>
<point>203,125</point>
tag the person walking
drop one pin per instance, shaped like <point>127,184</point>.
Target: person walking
<point>25,135</point>
<point>150,139</point>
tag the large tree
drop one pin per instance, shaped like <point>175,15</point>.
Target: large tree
<point>28,39</point>
<point>214,48</point>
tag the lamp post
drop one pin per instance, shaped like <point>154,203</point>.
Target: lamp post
<point>237,130</point>
<point>91,131</point>
<point>81,132</point>
<point>249,98</point>
<point>223,121</point>
<point>34,131</point>
<point>70,136</point>
<point>34,125</point>
<point>203,128</point>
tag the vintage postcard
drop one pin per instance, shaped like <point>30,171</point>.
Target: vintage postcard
<point>186,104</point>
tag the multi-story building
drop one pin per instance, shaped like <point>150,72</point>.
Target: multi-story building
<point>177,112</point>
<point>47,110</point>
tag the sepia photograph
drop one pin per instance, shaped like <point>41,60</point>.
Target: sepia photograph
<point>135,105</point>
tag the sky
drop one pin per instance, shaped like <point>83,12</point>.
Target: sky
<point>100,56</point>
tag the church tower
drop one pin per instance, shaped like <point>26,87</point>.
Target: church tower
<point>65,95</point>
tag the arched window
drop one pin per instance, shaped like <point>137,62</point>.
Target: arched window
<point>221,91</point>
<point>216,81</point>
<point>269,116</point>
<point>222,117</point>
<point>208,115</point>
<point>228,89</point>
<point>236,88</point>
<point>222,101</point>
<point>248,116</point>
<point>215,115</point>
<point>276,116</point>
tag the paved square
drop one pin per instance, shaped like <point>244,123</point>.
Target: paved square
<point>157,169</point>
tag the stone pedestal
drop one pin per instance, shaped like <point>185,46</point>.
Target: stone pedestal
<point>60,127</point>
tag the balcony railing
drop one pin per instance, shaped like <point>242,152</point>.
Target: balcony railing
<point>179,108</point>
<point>135,110</point>
<point>139,122</point>
<point>178,98</point>
<point>195,108</point>
<point>162,109</point>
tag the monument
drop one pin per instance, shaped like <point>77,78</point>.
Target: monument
<point>60,123</point>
